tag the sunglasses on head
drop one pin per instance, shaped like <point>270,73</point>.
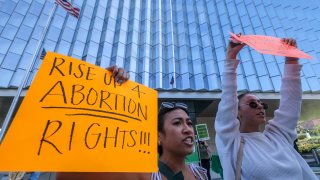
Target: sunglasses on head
<point>172,105</point>
<point>254,105</point>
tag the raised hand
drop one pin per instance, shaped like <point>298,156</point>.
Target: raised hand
<point>119,74</point>
<point>290,42</point>
<point>234,48</point>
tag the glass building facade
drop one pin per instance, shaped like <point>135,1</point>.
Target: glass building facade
<point>174,46</point>
<point>162,41</point>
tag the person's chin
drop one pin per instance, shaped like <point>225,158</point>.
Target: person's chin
<point>188,151</point>
<point>262,121</point>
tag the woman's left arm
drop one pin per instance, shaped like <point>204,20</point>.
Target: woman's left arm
<point>288,114</point>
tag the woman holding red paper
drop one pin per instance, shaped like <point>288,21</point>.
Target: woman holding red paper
<point>244,151</point>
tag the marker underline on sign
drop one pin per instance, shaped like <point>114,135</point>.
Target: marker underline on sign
<point>88,109</point>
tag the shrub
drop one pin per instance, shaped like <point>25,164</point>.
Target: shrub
<point>301,136</point>
<point>305,146</point>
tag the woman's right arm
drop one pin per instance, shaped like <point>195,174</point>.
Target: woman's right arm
<point>226,123</point>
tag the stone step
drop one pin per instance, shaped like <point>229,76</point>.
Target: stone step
<point>312,163</point>
<point>307,156</point>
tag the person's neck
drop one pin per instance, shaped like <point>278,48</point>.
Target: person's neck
<point>247,129</point>
<point>176,163</point>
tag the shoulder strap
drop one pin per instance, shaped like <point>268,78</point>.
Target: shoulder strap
<point>168,173</point>
<point>199,172</point>
<point>239,159</point>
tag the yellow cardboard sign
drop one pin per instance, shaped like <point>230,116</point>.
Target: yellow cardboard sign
<point>75,117</point>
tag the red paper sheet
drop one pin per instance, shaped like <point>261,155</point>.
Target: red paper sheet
<point>270,45</point>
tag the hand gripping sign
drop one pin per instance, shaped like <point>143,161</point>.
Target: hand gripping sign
<point>76,118</point>
<point>270,45</point>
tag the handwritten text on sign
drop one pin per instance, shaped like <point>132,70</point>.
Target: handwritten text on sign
<point>271,45</point>
<point>75,117</point>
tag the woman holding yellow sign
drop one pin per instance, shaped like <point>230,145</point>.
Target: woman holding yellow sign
<point>176,140</point>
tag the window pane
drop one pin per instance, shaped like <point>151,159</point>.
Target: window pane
<point>193,40</point>
<point>206,40</point>
<point>25,61</point>
<point>50,45</point>
<point>24,32</point>
<point>72,22</point>
<point>22,7</point>
<point>8,7</point>
<point>31,46</point>
<point>78,48</point>
<point>5,77</point>
<point>9,32</point>
<point>58,21</point>
<point>122,36</point>
<point>3,18</point>
<point>82,35</point>
<point>18,46</point>
<point>101,11</point>
<point>96,35</point>
<point>10,61</point>
<point>107,49</point>
<point>1,58</point>
<point>207,52</point>
<point>64,47</point>
<point>98,23</point>
<point>67,34</point>
<point>85,23</point>
<point>93,49</point>
<point>192,28</point>
<point>204,28</point>
<point>42,21</point>
<point>30,20</point>
<point>53,33</point>
<point>35,8</point>
<point>111,24</point>
<point>16,19</point>
<point>195,53</point>
<point>88,10</point>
